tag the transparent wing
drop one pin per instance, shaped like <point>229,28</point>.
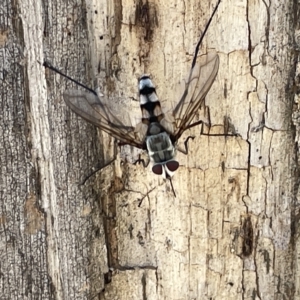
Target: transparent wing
<point>200,79</point>
<point>95,111</point>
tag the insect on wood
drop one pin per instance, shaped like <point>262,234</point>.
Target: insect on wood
<point>159,131</point>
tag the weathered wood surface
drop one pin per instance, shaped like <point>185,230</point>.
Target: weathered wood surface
<point>231,232</point>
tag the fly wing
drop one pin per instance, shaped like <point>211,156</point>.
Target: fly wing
<point>93,110</point>
<point>200,79</point>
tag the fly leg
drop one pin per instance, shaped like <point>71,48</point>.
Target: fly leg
<point>142,161</point>
<point>100,166</point>
<point>229,129</point>
<point>185,150</point>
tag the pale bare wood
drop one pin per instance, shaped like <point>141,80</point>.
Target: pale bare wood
<point>123,234</point>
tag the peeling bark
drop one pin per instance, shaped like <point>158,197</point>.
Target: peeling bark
<point>232,230</point>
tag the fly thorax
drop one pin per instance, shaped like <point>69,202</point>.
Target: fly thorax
<point>160,147</point>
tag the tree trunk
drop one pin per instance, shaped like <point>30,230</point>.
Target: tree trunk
<point>231,232</point>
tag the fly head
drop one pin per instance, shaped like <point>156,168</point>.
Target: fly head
<point>165,169</point>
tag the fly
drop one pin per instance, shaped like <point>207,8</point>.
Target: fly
<point>158,132</point>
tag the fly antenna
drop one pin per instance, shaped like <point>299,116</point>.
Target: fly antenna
<point>171,183</point>
<point>203,34</point>
<point>48,66</point>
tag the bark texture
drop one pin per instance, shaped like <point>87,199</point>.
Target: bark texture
<point>231,232</point>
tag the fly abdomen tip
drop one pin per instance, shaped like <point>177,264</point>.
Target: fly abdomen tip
<point>145,85</point>
<point>144,76</point>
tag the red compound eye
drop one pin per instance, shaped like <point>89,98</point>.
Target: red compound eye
<point>172,165</point>
<point>157,169</point>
